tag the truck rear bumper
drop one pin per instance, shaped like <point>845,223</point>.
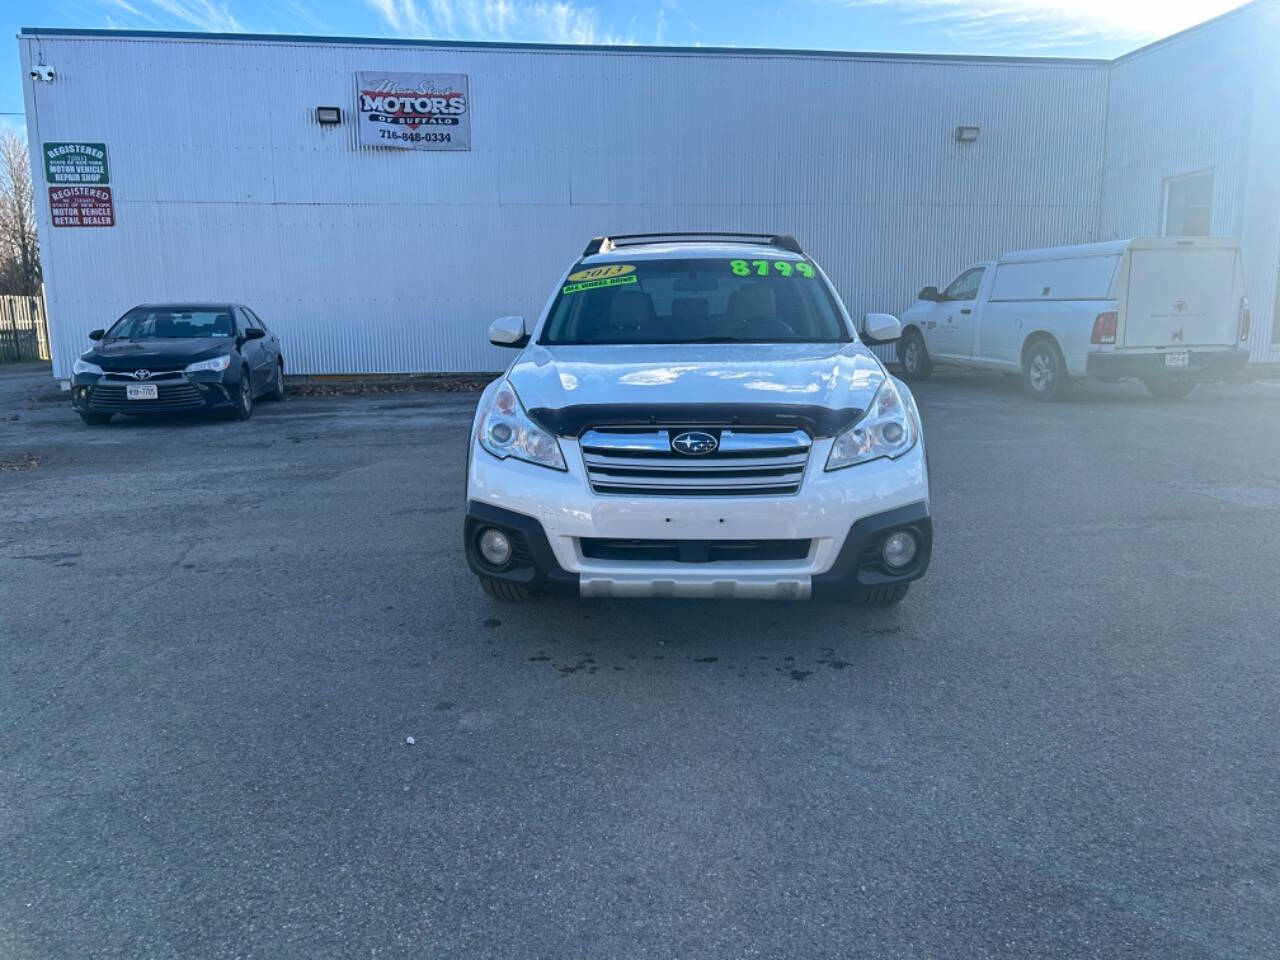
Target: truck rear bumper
<point>1201,365</point>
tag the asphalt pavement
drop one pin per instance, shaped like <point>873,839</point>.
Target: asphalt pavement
<point>217,637</point>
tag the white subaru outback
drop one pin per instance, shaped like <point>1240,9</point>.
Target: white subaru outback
<point>694,416</point>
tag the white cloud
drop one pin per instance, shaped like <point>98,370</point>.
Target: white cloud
<point>553,21</point>
<point>1055,23</point>
<point>198,14</point>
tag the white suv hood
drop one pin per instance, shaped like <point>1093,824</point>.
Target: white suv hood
<point>819,385</point>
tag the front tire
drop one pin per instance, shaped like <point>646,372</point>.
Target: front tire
<point>914,356</point>
<point>94,419</point>
<point>244,396</point>
<point>884,596</point>
<point>505,591</point>
<point>277,385</point>
<point>1044,372</point>
<point>1169,389</point>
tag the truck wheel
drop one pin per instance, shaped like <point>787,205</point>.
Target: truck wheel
<point>883,596</point>
<point>1169,389</point>
<point>94,419</point>
<point>1044,372</point>
<point>504,591</point>
<point>913,356</point>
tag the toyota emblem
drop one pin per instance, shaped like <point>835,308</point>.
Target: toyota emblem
<point>694,443</point>
<point>142,374</point>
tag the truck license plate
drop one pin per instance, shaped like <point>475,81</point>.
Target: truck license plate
<point>1179,359</point>
<point>141,391</point>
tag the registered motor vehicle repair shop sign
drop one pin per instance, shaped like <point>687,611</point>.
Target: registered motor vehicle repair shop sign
<point>414,111</point>
<point>67,163</point>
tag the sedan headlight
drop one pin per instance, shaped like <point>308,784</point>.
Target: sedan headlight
<point>84,366</point>
<point>505,430</point>
<point>216,364</point>
<point>889,428</point>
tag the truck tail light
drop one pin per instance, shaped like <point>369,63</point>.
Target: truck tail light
<point>1104,328</point>
<point>1246,320</point>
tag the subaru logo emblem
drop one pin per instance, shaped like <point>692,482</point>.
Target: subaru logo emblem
<point>695,443</point>
<point>142,374</point>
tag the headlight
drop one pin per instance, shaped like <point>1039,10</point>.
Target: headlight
<point>216,364</point>
<point>84,366</point>
<point>505,430</point>
<point>889,428</point>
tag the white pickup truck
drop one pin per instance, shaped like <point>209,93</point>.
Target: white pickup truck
<point>1168,311</point>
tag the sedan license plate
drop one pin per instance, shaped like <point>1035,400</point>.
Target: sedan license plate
<point>141,391</point>
<point>1179,359</point>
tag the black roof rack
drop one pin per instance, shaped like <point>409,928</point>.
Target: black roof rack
<point>603,244</point>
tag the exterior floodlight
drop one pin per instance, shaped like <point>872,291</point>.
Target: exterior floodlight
<point>967,134</point>
<point>328,116</point>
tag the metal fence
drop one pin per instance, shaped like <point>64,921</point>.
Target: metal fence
<point>24,331</point>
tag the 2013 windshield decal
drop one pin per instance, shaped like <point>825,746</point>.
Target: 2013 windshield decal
<point>761,268</point>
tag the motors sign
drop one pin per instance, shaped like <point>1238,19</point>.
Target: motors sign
<point>81,207</point>
<point>414,111</point>
<point>66,163</point>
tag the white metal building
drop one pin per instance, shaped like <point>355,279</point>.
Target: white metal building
<point>224,185</point>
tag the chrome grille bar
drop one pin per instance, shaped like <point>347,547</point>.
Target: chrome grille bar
<point>746,462</point>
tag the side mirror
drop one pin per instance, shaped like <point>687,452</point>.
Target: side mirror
<point>929,293</point>
<point>881,328</point>
<point>97,334</point>
<point>253,333</point>
<point>508,332</point>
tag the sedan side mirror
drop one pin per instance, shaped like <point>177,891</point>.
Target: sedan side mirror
<point>929,293</point>
<point>881,328</point>
<point>508,332</point>
<point>253,333</point>
<point>97,334</point>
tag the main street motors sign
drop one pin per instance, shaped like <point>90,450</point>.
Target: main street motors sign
<point>414,111</point>
<point>67,163</point>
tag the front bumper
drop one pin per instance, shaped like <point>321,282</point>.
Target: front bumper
<point>566,535</point>
<point>1201,365</point>
<point>176,394</point>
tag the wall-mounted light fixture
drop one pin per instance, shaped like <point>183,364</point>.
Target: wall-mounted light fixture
<point>967,134</point>
<point>328,116</point>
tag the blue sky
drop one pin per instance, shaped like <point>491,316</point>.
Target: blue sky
<point>1085,28</point>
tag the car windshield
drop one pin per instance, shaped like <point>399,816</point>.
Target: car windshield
<point>762,300</point>
<point>165,323</point>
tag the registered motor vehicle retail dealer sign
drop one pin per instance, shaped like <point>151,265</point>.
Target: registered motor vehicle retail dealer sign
<point>66,163</point>
<point>81,207</point>
<point>414,111</point>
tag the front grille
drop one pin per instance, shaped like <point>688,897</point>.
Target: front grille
<point>746,462</point>
<point>694,551</point>
<point>170,397</point>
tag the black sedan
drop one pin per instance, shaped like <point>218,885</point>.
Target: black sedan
<point>169,358</point>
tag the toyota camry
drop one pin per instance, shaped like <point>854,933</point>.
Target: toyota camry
<point>171,358</point>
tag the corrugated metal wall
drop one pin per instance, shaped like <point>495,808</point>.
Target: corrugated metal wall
<point>1205,100</point>
<point>388,260</point>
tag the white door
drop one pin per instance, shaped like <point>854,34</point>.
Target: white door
<point>955,315</point>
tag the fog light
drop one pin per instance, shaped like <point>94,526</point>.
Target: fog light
<point>899,549</point>
<point>495,546</point>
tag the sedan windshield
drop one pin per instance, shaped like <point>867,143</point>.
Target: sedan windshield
<point>164,323</point>
<point>695,301</point>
